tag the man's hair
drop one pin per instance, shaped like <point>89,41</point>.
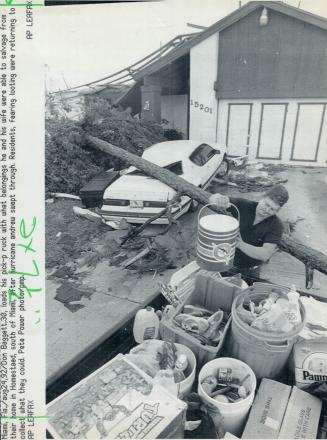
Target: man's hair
<point>278,194</point>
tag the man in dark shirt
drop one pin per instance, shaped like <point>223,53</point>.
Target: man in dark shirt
<point>260,228</point>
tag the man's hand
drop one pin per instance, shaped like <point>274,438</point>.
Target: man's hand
<point>220,201</point>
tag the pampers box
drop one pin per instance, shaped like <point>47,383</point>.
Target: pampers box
<point>309,361</point>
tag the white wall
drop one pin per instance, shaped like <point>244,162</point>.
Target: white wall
<point>203,103</point>
<point>309,120</point>
<point>174,109</point>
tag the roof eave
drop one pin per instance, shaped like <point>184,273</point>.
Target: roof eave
<point>230,19</point>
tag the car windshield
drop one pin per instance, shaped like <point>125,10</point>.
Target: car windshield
<point>202,155</point>
<point>176,168</point>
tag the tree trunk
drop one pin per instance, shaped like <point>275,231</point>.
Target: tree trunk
<point>309,256</point>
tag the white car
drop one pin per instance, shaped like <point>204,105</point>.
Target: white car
<point>136,197</point>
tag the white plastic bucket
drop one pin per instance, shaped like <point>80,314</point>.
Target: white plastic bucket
<point>216,243</point>
<point>231,416</point>
<point>184,387</point>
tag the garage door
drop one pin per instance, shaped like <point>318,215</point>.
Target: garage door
<point>271,130</point>
<point>288,131</point>
<point>308,130</point>
<point>238,128</point>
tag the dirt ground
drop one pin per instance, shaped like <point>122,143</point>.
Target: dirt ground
<point>73,242</point>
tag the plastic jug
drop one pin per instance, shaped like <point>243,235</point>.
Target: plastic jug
<point>293,311</point>
<point>146,325</point>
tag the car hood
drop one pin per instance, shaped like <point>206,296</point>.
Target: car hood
<point>138,188</point>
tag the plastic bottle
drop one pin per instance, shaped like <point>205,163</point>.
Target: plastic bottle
<point>293,311</point>
<point>180,367</point>
<point>267,303</point>
<point>146,325</point>
<point>274,320</point>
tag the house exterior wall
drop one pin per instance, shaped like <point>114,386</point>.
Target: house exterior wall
<point>288,131</point>
<point>174,109</point>
<point>203,102</point>
<point>285,58</point>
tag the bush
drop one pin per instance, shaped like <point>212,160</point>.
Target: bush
<point>70,162</point>
<point>171,134</point>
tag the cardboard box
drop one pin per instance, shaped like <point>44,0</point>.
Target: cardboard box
<point>267,411</point>
<point>116,401</point>
<point>309,361</point>
<point>213,293</point>
<point>302,415</point>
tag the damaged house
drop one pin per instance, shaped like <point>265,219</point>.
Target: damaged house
<point>255,80</point>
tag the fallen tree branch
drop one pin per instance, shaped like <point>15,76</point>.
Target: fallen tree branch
<point>136,230</point>
<point>310,257</point>
<point>306,254</point>
<point>140,255</point>
<point>64,196</point>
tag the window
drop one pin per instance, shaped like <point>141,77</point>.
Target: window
<point>175,168</point>
<point>202,155</point>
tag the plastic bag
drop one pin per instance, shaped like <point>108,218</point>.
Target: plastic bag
<point>146,362</point>
<point>196,412</point>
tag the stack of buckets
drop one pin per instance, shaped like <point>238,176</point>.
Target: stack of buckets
<point>217,236</point>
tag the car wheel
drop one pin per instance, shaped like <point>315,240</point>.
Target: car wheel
<point>223,169</point>
<point>193,206</point>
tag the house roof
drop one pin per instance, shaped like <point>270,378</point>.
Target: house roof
<point>230,19</point>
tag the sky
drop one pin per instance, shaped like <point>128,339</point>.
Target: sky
<point>83,43</point>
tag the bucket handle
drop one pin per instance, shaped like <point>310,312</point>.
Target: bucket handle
<point>273,346</point>
<point>213,204</point>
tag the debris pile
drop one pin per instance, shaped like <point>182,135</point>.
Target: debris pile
<point>253,176</point>
<point>69,163</point>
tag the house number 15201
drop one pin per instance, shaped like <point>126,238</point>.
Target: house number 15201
<point>196,104</point>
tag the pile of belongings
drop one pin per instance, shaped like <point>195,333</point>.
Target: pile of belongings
<point>277,313</point>
<point>159,358</point>
<point>226,387</point>
<point>252,177</point>
<point>202,324</point>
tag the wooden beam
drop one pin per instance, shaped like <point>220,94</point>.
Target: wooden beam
<point>309,256</point>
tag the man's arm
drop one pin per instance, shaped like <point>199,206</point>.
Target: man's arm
<point>263,253</point>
